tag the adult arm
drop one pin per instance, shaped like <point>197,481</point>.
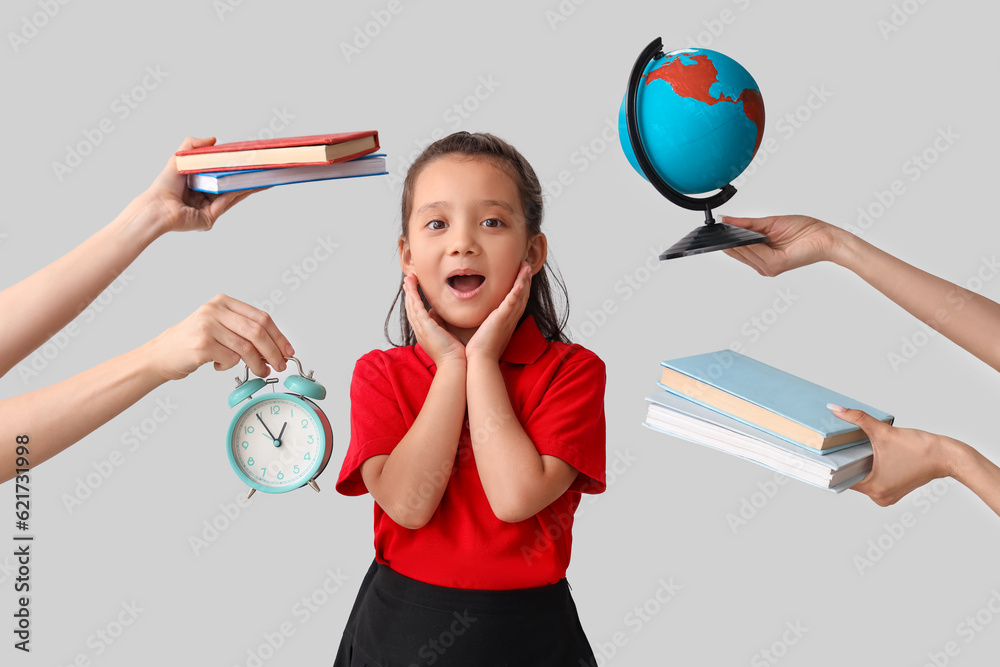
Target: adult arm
<point>223,330</point>
<point>35,309</point>
<point>964,317</point>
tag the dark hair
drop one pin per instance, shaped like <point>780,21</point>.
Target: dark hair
<point>508,159</point>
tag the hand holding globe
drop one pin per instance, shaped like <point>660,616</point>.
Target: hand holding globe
<point>692,121</point>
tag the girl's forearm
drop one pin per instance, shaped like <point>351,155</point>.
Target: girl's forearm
<point>966,318</point>
<point>39,306</point>
<point>518,481</point>
<point>413,478</point>
<point>59,415</point>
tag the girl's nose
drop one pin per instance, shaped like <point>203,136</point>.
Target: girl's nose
<point>463,240</point>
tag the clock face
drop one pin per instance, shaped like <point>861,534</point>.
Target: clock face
<point>277,443</point>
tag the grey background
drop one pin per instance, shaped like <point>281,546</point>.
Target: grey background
<point>556,86</point>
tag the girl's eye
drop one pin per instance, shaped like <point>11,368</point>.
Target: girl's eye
<point>432,224</point>
<point>497,221</point>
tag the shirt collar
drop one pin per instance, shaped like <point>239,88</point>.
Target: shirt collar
<point>525,347</point>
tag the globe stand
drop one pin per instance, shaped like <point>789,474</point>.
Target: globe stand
<point>710,236</point>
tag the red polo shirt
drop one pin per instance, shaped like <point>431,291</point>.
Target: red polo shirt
<point>557,393</point>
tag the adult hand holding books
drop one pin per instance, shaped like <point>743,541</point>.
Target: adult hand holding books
<point>904,458</point>
<point>168,205</point>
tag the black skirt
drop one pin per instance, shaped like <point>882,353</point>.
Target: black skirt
<point>401,622</point>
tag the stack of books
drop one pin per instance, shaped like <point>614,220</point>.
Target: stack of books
<point>743,407</point>
<point>245,165</point>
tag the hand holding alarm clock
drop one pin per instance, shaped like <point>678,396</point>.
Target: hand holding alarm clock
<point>279,442</point>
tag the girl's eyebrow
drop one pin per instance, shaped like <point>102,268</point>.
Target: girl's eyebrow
<point>485,202</point>
<point>496,202</point>
<point>433,204</point>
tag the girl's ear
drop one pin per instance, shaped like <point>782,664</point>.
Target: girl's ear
<point>536,253</point>
<point>405,260</point>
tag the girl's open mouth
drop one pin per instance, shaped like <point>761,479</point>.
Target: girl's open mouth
<point>466,287</point>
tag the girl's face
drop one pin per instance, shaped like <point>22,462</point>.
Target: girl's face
<point>467,220</point>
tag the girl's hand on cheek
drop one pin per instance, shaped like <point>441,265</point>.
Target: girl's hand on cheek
<point>428,327</point>
<point>493,335</point>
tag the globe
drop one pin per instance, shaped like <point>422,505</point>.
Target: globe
<point>701,119</point>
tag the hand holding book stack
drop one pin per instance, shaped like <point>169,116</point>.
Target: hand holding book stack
<point>246,165</point>
<point>743,407</point>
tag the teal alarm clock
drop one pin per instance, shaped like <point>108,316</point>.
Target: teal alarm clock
<point>279,442</point>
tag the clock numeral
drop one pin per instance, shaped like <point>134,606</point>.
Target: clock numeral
<point>275,409</point>
<point>305,423</point>
<point>250,461</point>
<point>248,429</point>
<point>244,444</point>
<point>281,475</point>
<point>263,473</point>
<point>295,470</point>
<point>308,456</point>
<point>310,440</point>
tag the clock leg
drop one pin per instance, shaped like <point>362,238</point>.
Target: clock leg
<point>252,491</point>
<point>314,485</point>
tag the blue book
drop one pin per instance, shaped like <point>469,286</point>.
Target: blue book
<point>217,182</point>
<point>677,416</point>
<point>766,398</point>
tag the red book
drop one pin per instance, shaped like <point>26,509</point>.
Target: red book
<point>279,152</point>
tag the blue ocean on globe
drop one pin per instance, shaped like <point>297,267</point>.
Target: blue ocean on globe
<point>701,119</point>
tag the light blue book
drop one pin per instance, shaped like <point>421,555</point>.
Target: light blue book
<point>766,398</point>
<point>675,415</point>
<point>217,182</point>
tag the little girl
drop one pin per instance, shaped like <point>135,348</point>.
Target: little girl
<point>478,435</point>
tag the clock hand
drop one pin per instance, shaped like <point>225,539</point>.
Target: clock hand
<point>266,428</point>
<point>282,431</point>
